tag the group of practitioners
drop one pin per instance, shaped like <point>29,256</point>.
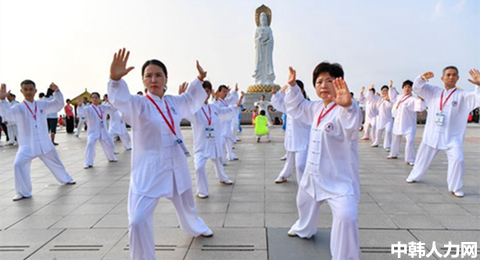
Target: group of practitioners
<point>321,139</point>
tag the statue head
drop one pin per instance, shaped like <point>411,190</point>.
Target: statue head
<point>263,19</point>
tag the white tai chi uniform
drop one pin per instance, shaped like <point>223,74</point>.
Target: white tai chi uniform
<point>297,135</point>
<point>159,165</point>
<point>206,126</point>
<point>97,131</point>
<point>447,136</point>
<point>331,174</point>
<point>228,134</point>
<point>404,110</point>
<point>34,141</point>
<point>12,126</point>
<point>384,121</point>
<point>81,121</point>
<point>371,113</point>
<point>263,105</point>
<point>118,127</point>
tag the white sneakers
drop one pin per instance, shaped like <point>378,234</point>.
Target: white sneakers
<point>292,233</point>
<point>202,196</point>
<point>208,233</point>
<point>283,158</point>
<point>280,180</point>
<point>458,193</point>
<point>19,196</point>
<point>410,181</point>
<point>410,163</point>
<point>227,182</point>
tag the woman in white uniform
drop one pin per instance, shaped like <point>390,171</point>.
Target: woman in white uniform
<point>297,135</point>
<point>331,174</point>
<point>207,131</point>
<point>96,115</point>
<point>159,160</point>
<point>384,118</point>
<point>117,127</point>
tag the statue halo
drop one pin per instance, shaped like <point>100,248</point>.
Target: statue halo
<point>267,11</point>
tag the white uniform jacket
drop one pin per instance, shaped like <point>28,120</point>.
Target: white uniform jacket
<point>231,99</point>
<point>207,138</point>
<point>117,126</point>
<point>371,110</point>
<point>297,133</point>
<point>404,110</point>
<point>157,159</point>
<point>96,119</point>
<point>332,161</point>
<point>384,108</point>
<point>455,111</point>
<point>33,137</point>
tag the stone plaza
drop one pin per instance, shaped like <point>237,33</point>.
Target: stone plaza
<point>249,219</point>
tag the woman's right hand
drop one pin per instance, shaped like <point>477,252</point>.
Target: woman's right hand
<point>118,68</point>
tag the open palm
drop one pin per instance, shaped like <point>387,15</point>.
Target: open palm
<point>343,97</point>
<point>118,68</point>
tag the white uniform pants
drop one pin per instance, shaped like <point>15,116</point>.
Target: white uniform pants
<point>229,147</point>
<point>81,124</point>
<point>201,173</point>
<point>456,165</point>
<point>299,159</point>
<point>223,146</point>
<point>108,149</point>
<point>140,221</point>
<point>23,183</point>
<point>344,241</point>
<point>409,147</point>
<point>370,125</point>
<point>12,132</point>
<point>388,136</point>
<point>125,138</point>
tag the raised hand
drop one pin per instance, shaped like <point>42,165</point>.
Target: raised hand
<point>362,90</point>
<point>79,101</point>
<point>343,97</point>
<point>3,91</point>
<point>201,73</point>
<point>292,77</point>
<point>274,90</point>
<point>427,75</point>
<point>390,84</point>
<point>118,68</point>
<point>371,87</point>
<point>54,87</point>
<point>475,74</point>
<point>236,87</point>
<point>284,88</point>
<point>182,88</point>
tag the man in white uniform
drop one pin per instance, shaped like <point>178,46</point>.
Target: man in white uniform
<point>33,139</point>
<point>331,174</point>
<point>11,124</point>
<point>263,105</point>
<point>226,99</point>
<point>384,118</point>
<point>206,126</point>
<point>371,112</point>
<point>448,110</point>
<point>404,110</point>
<point>297,135</point>
<point>83,119</point>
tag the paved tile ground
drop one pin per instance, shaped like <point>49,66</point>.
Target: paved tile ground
<point>249,218</point>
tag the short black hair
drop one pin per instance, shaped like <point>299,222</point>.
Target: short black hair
<point>221,87</point>
<point>384,86</point>
<point>262,112</point>
<point>207,85</point>
<point>28,81</point>
<point>334,69</point>
<point>41,95</point>
<point>407,82</point>
<point>68,100</point>
<point>373,90</point>
<point>448,68</point>
<point>301,86</point>
<point>155,62</point>
<point>95,93</point>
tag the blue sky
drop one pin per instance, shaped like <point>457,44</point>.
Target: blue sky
<point>72,42</point>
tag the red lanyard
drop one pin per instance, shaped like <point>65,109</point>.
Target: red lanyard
<point>442,104</point>
<point>223,102</point>
<point>209,119</point>
<point>322,115</point>
<point>98,114</point>
<point>405,98</point>
<point>170,124</point>
<point>34,115</point>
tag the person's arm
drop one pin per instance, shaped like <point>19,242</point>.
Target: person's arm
<point>297,106</point>
<point>56,104</point>
<point>392,93</point>
<point>473,97</point>
<point>349,114</point>
<point>421,88</point>
<point>278,101</point>
<point>5,109</point>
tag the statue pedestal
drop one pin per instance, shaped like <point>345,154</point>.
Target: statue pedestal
<point>255,92</point>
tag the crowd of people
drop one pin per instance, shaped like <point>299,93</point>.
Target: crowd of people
<point>321,140</point>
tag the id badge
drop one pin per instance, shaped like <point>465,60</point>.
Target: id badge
<point>439,118</point>
<point>183,147</point>
<point>209,132</point>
